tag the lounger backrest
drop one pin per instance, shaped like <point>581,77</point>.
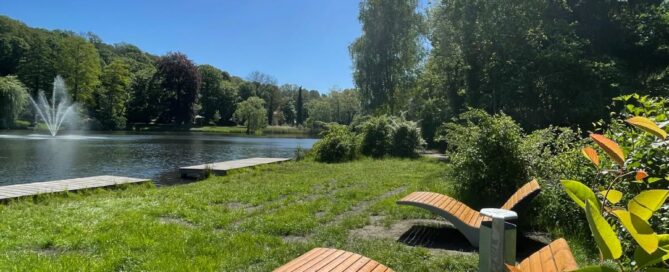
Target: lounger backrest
<point>555,257</point>
<point>527,192</point>
<point>332,260</point>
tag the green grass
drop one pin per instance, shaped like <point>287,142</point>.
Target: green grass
<point>250,220</point>
<point>234,223</point>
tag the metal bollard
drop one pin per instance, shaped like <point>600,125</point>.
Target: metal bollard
<point>497,241</point>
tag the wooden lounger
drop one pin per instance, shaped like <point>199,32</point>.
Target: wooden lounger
<point>328,259</point>
<point>555,257</point>
<point>465,219</point>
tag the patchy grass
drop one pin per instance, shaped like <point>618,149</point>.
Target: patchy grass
<point>250,220</point>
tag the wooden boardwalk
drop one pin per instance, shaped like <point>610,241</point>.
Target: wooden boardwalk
<point>220,168</point>
<point>38,188</point>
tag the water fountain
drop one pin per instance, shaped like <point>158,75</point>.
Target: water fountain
<point>56,112</point>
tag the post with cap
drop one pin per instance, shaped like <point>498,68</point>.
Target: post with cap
<point>497,240</point>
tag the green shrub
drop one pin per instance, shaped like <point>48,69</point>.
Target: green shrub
<point>376,137</point>
<point>488,165</point>
<point>642,148</point>
<point>337,145</point>
<point>406,139</point>
<point>492,158</point>
<point>552,154</point>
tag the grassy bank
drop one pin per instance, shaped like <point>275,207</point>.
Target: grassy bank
<point>270,130</point>
<point>250,220</point>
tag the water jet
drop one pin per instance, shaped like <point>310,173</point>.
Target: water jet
<point>58,110</point>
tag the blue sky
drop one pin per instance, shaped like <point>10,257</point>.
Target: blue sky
<point>303,42</point>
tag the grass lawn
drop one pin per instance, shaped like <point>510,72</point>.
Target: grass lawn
<point>249,220</point>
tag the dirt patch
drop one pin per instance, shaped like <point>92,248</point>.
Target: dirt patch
<point>396,230</point>
<point>50,250</point>
<point>294,239</point>
<point>364,205</point>
<point>241,206</point>
<point>173,219</point>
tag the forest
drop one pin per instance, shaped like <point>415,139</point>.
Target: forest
<point>119,86</point>
<point>542,62</point>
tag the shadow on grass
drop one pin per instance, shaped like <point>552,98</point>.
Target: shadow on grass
<point>446,238</point>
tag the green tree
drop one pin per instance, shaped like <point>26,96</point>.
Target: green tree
<point>288,110</point>
<point>79,64</point>
<point>211,91</point>
<point>252,114</point>
<point>37,67</point>
<point>228,102</point>
<point>13,99</point>
<point>146,99</point>
<point>345,105</point>
<point>180,84</point>
<point>13,44</point>
<point>113,95</point>
<point>387,55</point>
<point>299,108</point>
<point>543,62</point>
<point>320,110</point>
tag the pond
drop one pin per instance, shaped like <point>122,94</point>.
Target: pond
<point>29,157</point>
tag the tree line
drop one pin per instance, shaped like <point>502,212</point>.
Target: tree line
<point>543,62</point>
<point>119,86</point>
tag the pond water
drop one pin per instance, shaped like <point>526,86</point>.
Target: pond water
<point>28,157</point>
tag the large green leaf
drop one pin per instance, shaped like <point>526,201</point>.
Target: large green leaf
<point>579,192</point>
<point>656,269</point>
<point>605,237</point>
<point>613,196</point>
<point>643,259</point>
<point>647,202</point>
<point>642,233</point>
<point>596,268</point>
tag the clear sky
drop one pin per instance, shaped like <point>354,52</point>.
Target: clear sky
<point>303,42</point>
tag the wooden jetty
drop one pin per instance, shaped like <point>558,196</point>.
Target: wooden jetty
<point>220,168</point>
<point>38,188</point>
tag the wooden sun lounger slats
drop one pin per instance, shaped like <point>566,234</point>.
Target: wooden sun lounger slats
<point>464,218</point>
<point>332,260</point>
<point>555,257</point>
<point>527,190</point>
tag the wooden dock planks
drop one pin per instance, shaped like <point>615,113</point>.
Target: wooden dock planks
<point>220,168</point>
<point>38,188</point>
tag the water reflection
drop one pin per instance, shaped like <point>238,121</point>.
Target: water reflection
<point>28,157</point>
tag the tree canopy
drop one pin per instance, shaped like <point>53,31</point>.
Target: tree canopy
<point>252,114</point>
<point>180,84</point>
<point>386,56</point>
<point>13,98</point>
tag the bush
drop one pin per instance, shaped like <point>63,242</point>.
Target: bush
<point>642,148</point>
<point>488,164</point>
<point>337,145</point>
<point>376,137</point>
<point>406,139</point>
<point>552,154</point>
<point>492,158</point>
